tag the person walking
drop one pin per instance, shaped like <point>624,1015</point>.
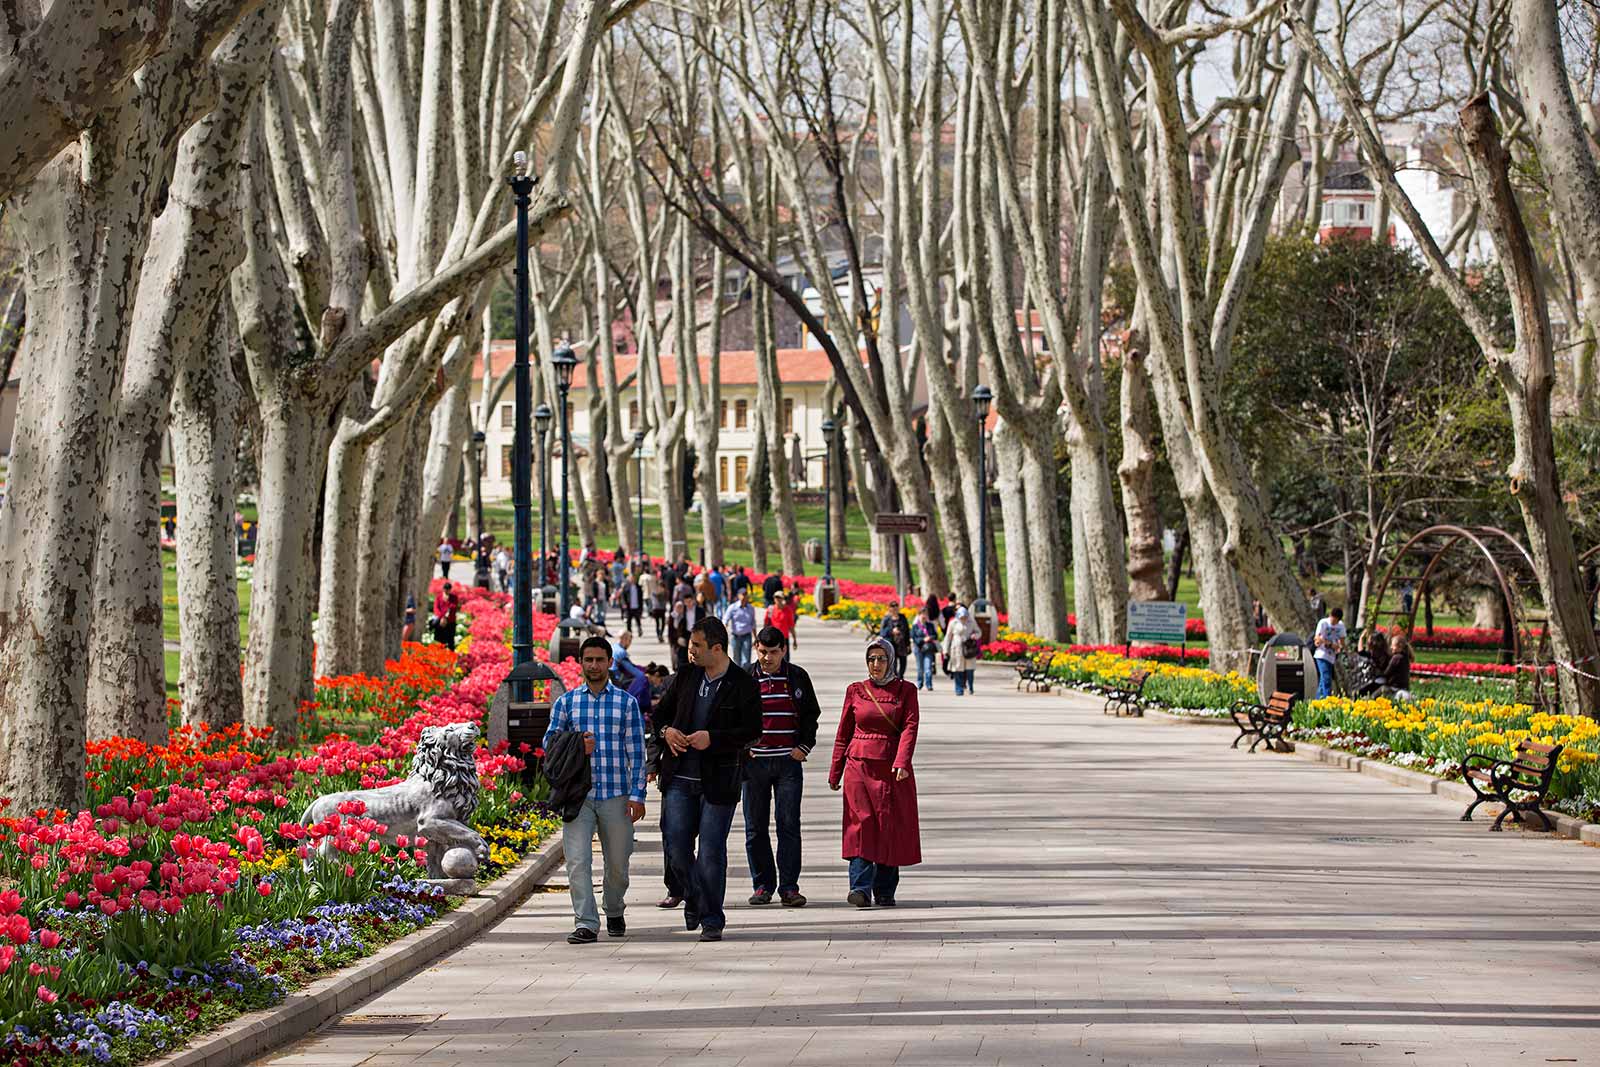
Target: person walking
<point>925,643</point>
<point>447,555</point>
<point>708,716</point>
<point>1329,642</point>
<point>502,569</point>
<point>1314,598</point>
<point>678,634</point>
<point>719,589</point>
<point>776,771</point>
<point>897,632</point>
<point>650,593</point>
<point>613,734</point>
<point>872,753</point>
<point>740,619</point>
<point>632,598</point>
<point>961,650</point>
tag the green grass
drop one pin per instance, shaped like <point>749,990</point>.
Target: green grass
<point>169,615</point>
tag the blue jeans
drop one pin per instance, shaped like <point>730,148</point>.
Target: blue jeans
<point>877,880</point>
<point>740,652</point>
<point>1324,678</point>
<point>610,817</point>
<point>925,667</point>
<point>963,681</point>
<point>764,777</point>
<point>687,817</point>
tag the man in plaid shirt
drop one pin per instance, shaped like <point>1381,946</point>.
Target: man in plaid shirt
<point>613,735</point>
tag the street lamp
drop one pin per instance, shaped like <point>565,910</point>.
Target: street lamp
<point>638,455</point>
<point>522,443</point>
<point>981,399</point>
<point>541,419</point>
<point>564,362</point>
<point>829,431</point>
<point>481,578</point>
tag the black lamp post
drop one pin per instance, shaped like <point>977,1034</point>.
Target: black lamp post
<point>829,431</point>
<point>564,362</point>
<point>522,443</point>
<point>638,455</point>
<point>541,419</point>
<point>481,578</point>
<point>981,399</point>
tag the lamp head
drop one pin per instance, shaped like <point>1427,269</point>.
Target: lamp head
<point>520,162</point>
<point>541,418</point>
<point>982,397</point>
<point>565,362</point>
<point>828,430</point>
<point>638,439</point>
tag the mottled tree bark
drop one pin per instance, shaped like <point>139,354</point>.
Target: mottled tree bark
<point>1137,474</point>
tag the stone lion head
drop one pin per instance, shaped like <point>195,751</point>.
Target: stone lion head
<point>446,760</point>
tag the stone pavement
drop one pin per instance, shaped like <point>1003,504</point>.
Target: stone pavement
<point>1093,891</point>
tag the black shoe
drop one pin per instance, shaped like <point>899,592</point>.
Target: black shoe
<point>859,899</point>
<point>582,936</point>
<point>711,933</point>
<point>793,899</point>
<point>886,902</point>
<point>669,901</point>
<point>617,927</point>
<point>760,897</point>
<point>691,920</point>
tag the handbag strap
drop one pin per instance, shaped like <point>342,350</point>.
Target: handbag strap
<point>867,687</point>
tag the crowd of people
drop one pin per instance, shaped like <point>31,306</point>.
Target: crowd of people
<point>731,721</point>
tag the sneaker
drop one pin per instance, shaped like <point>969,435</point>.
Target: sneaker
<point>859,899</point>
<point>793,899</point>
<point>669,901</point>
<point>617,927</point>
<point>711,933</point>
<point>582,936</point>
<point>760,897</point>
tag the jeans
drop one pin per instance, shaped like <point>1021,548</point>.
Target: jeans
<point>610,817</point>
<point>765,776</point>
<point>877,880</point>
<point>1324,678</point>
<point>661,626</point>
<point>740,652</point>
<point>963,680</point>
<point>444,569</point>
<point>686,815</point>
<point>925,667</point>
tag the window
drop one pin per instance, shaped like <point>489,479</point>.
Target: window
<point>732,286</point>
<point>505,463</point>
<point>741,472</point>
<point>788,414</point>
<point>507,417</point>
<point>633,414</point>
<point>722,473</point>
<point>723,419</point>
<point>741,414</point>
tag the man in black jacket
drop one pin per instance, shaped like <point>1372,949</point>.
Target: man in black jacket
<point>706,719</point>
<point>789,714</point>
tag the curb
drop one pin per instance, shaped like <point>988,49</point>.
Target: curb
<point>1418,781</point>
<point>258,1032</point>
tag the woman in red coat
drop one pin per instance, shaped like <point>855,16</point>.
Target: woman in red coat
<point>872,762</point>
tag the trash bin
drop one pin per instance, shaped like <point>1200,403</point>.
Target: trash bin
<point>813,549</point>
<point>523,722</point>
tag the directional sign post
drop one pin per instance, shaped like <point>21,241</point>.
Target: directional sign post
<point>898,524</point>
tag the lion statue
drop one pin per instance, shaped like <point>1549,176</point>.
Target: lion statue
<point>434,803</point>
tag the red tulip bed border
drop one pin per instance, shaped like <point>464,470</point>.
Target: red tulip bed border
<point>188,892</point>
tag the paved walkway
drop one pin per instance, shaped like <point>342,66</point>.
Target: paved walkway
<point>1093,891</point>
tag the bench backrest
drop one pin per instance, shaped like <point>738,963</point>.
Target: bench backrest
<point>1137,679</point>
<point>1535,763</point>
<point>1280,704</point>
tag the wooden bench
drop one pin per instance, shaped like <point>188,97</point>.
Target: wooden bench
<point>1127,699</point>
<point>1034,672</point>
<point>1520,783</point>
<point>1265,722</point>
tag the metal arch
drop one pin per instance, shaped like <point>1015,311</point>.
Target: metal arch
<point>1456,534</point>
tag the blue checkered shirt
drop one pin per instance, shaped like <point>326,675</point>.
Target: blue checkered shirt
<point>618,727</point>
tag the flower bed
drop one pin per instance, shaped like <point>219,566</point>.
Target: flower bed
<point>187,891</point>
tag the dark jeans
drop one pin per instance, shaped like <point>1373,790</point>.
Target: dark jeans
<point>687,818</point>
<point>632,620</point>
<point>764,777</point>
<point>444,569</point>
<point>673,883</point>
<point>963,681</point>
<point>926,667</point>
<point>661,626</point>
<point>877,880</point>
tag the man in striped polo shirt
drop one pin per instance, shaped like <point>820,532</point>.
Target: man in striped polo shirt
<point>789,714</point>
